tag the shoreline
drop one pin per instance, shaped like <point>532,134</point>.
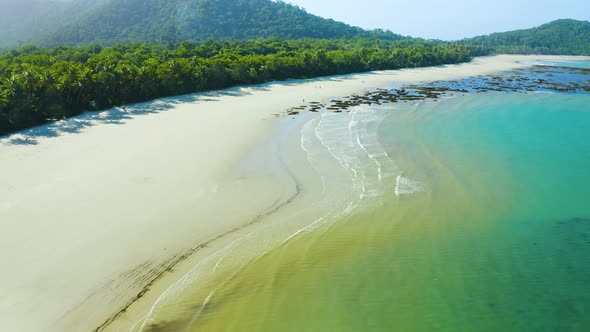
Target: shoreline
<point>124,175</point>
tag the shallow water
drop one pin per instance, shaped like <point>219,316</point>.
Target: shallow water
<point>573,64</point>
<point>470,213</point>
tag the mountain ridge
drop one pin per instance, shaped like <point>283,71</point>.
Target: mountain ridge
<point>51,23</point>
<point>156,21</point>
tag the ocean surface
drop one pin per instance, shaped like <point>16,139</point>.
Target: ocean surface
<point>468,213</point>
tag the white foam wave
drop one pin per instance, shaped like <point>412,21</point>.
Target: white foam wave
<point>355,170</point>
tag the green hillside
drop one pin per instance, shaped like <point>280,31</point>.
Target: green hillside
<point>557,37</point>
<point>157,21</point>
<point>26,21</point>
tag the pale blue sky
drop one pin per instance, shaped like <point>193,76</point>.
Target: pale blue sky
<point>451,19</point>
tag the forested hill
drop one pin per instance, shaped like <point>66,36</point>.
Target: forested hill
<point>158,21</point>
<point>557,37</point>
<point>26,21</point>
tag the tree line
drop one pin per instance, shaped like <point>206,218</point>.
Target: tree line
<point>40,85</point>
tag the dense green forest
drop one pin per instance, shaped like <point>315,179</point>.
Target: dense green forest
<point>40,85</point>
<point>558,37</point>
<point>52,23</point>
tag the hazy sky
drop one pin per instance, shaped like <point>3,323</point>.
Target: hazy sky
<point>451,19</point>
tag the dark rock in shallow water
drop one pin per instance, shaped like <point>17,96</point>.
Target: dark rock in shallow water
<point>536,78</point>
<point>574,221</point>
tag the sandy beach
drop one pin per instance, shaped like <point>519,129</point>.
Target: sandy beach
<point>101,213</point>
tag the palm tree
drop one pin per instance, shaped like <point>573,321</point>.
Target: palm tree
<point>3,98</point>
<point>21,112</point>
<point>4,122</point>
<point>86,76</point>
<point>30,81</point>
<point>69,83</point>
<point>46,78</point>
<point>11,87</point>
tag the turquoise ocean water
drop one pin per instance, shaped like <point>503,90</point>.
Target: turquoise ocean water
<point>474,215</point>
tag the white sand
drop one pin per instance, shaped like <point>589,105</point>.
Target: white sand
<point>88,218</point>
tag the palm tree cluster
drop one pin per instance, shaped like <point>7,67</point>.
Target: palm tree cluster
<point>41,85</point>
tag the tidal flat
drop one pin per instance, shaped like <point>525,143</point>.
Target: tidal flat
<point>457,205</point>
